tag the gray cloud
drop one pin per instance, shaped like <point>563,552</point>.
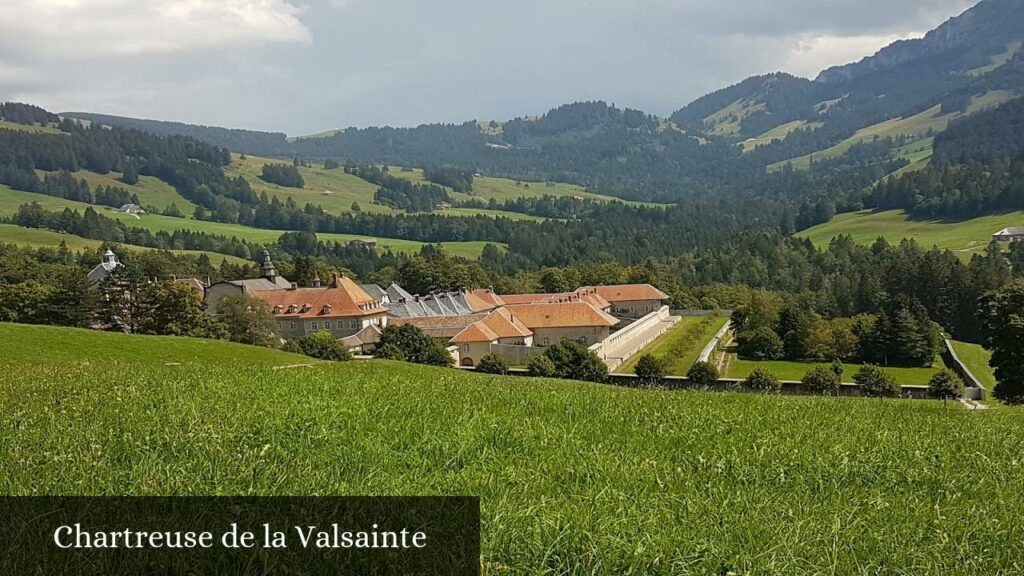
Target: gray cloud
<point>303,67</point>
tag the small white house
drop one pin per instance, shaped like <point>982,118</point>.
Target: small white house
<point>1009,235</point>
<point>131,209</point>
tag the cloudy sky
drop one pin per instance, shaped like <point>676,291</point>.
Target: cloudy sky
<point>303,66</point>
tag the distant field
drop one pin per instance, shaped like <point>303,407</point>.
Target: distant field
<point>778,133</point>
<point>11,234</point>
<point>680,346</point>
<point>741,368</point>
<point>5,125</point>
<point>918,126</point>
<point>334,190</point>
<point>965,237</point>
<point>151,191</point>
<point>573,478</point>
<point>10,200</point>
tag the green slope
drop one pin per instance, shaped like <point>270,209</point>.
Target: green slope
<point>35,238</point>
<point>965,237</point>
<point>919,126</point>
<point>573,478</point>
<point>10,200</point>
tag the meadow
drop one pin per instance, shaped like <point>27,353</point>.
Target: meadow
<point>35,238</point>
<point>680,346</point>
<point>11,200</point>
<point>740,368</point>
<point>965,237</point>
<point>920,127</point>
<point>574,478</point>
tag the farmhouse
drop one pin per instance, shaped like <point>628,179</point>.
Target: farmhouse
<point>131,209</point>
<point>632,300</point>
<point>341,308</point>
<point>366,244</point>
<point>268,281</point>
<point>1013,234</point>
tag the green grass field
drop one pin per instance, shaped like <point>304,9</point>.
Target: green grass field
<point>741,368</point>
<point>334,190</point>
<point>5,125</point>
<point>680,346</point>
<point>965,237</point>
<point>35,238</point>
<point>11,200</point>
<point>977,359</point>
<point>574,478</point>
<point>778,133</point>
<point>152,192</point>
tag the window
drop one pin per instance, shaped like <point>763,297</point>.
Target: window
<point>291,325</point>
<point>545,341</point>
<point>583,340</point>
<point>327,325</point>
<point>312,326</point>
<point>465,347</point>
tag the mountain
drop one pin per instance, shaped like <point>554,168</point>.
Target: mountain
<point>970,63</point>
<point>882,111</point>
<point>983,31</point>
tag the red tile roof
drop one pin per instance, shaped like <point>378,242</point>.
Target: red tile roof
<point>629,292</point>
<point>341,299</point>
<point>565,315</point>
<point>488,297</point>
<point>476,332</point>
<point>506,325</point>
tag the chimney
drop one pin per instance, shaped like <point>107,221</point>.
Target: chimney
<point>335,281</point>
<point>316,281</point>
<point>295,286</point>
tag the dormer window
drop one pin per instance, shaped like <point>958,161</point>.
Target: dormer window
<point>292,309</point>
<point>327,309</point>
<point>278,309</point>
<point>305,308</point>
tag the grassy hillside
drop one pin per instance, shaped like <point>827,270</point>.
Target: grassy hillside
<point>5,125</point>
<point>35,238</point>
<point>920,127</point>
<point>778,133</point>
<point>786,370</point>
<point>152,192</point>
<point>10,200</point>
<point>574,478</point>
<point>334,190</point>
<point>965,237</point>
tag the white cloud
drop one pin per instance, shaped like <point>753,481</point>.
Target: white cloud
<point>71,29</point>
<point>812,54</point>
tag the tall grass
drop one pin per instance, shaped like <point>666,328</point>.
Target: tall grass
<point>574,478</point>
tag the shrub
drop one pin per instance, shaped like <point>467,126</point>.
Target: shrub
<point>762,380</point>
<point>492,364</point>
<point>321,345</point>
<point>760,344</point>
<point>574,361</point>
<point>416,346</point>
<point>823,380</point>
<point>541,366</point>
<point>650,370</point>
<point>703,374</point>
<point>874,382</point>
<point>946,385</point>
<point>389,352</point>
